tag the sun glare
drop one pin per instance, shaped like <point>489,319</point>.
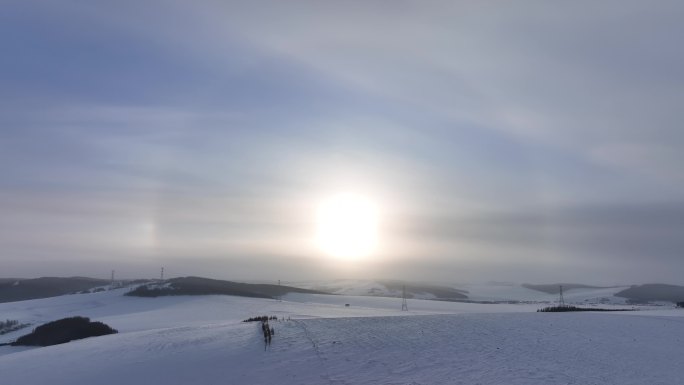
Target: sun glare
<point>347,226</point>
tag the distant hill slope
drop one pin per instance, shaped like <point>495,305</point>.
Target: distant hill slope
<point>416,289</point>
<point>10,280</point>
<point>653,292</point>
<point>554,288</point>
<point>389,288</point>
<point>205,286</point>
<point>24,289</point>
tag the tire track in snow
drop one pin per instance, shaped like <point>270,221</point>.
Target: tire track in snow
<point>465,349</point>
<point>320,356</point>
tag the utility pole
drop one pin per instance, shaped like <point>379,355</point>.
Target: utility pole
<point>111,283</point>
<point>162,274</point>
<point>404,304</point>
<point>280,292</point>
<point>561,300</point>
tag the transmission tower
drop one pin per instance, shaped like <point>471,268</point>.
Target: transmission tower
<point>404,304</point>
<point>561,300</point>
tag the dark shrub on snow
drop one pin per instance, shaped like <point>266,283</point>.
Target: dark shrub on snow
<point>567,308</point>
<point>64,330</point>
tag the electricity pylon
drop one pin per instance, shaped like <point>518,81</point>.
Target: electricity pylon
<point>404,304</point>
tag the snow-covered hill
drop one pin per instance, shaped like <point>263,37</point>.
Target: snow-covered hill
<point>201,340</point>
<point>386,288</point>
<point>484,292</point>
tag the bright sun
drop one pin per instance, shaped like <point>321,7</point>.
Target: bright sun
<point>347,226</point>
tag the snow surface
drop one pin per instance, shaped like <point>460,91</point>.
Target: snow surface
<point>201,340</point>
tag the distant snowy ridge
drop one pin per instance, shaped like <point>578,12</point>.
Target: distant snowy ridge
<point>23,289</point>
<point>554,288</point>
<point>653,292</point>
<point>14,289</point>
<point>206,286</point>
<point>491,292</point>
<point>388,288</point>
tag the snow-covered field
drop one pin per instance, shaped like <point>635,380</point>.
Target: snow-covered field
<point>201,340</point>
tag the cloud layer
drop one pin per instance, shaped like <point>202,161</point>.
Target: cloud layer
<point>519,141</point>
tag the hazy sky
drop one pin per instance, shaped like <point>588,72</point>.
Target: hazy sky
<point>519,141</point>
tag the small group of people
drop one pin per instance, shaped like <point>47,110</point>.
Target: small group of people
<point>268,331</point>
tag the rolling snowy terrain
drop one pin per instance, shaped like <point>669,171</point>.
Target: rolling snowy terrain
<point>484,292</point>
<point>201,340</point>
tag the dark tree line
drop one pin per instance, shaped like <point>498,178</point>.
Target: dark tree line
<point>62,331</point>
<point>10,326</point>
<point>680,304</point>
<point>567,308</point>
<point>262,318</point>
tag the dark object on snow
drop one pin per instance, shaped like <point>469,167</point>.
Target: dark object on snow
<point>561,309</point>
<point>680,304</point>
<point>346,305</point>
<point>64,330</point>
